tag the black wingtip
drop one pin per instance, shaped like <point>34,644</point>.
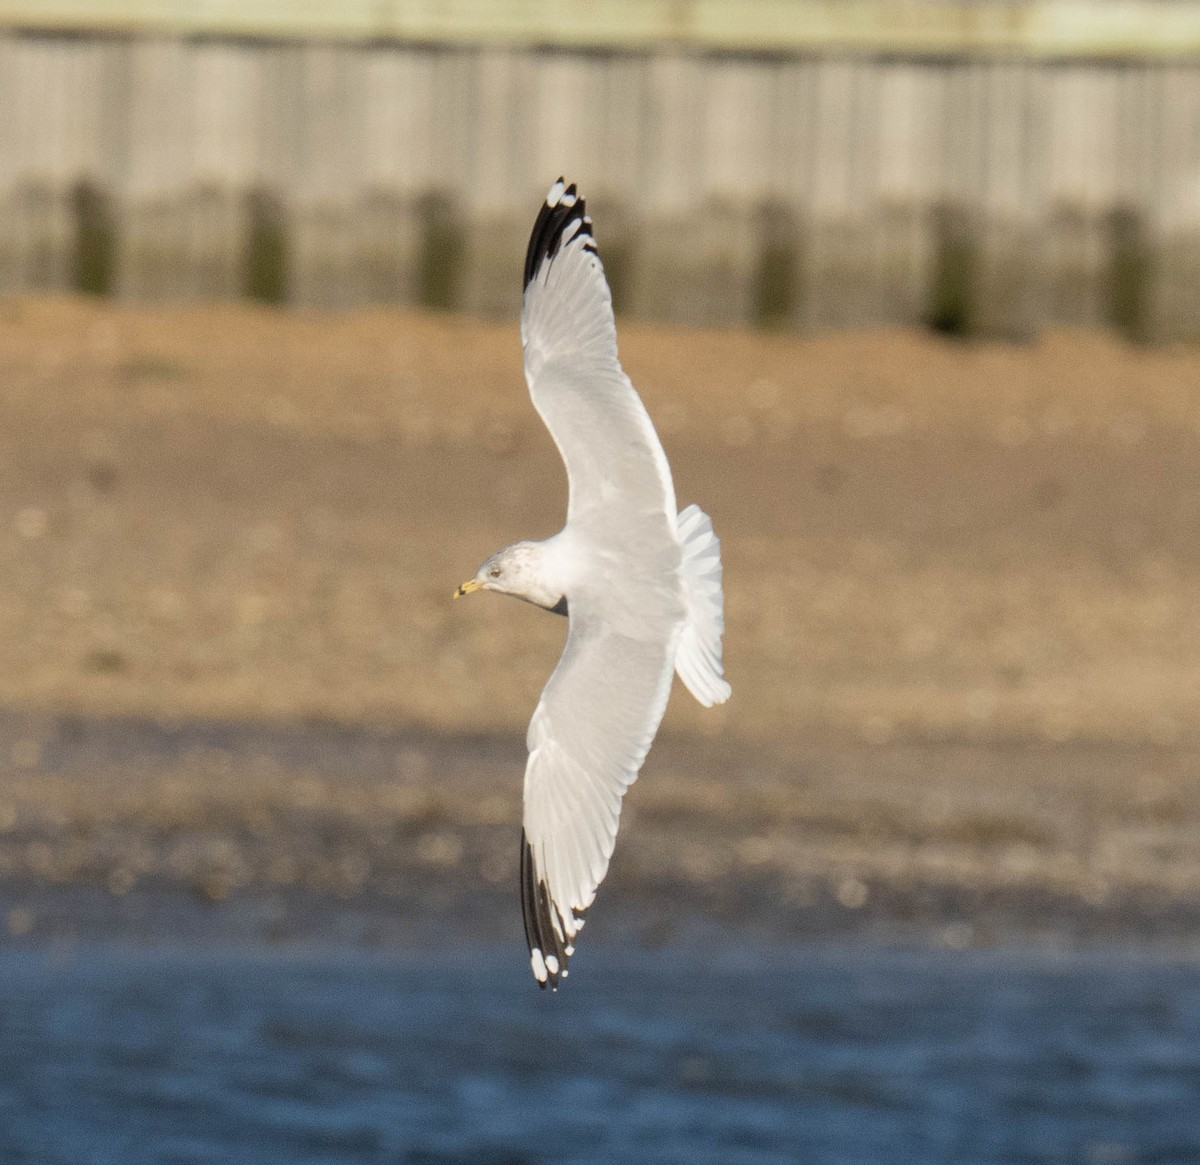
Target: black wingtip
<point>562,210</point>
<point>548,955</point>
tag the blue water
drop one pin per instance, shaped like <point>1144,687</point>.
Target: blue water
<point>850,1055</point>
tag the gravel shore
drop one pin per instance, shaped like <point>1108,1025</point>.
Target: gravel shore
<point>963,630</point>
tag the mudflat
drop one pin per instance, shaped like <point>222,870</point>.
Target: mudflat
<point>963,608</point>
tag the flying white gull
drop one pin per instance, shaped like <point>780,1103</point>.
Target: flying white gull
<point>640,585</point>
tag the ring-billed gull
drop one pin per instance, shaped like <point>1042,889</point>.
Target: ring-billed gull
<point>641,586</point>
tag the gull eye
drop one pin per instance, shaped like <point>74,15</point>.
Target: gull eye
<point>494,572</point>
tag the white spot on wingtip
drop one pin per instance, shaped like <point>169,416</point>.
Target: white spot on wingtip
<point>570,198</point>
<point>552,964</point>
<point>539,965</point>
<point>568,951</point>
<point>556,193</point>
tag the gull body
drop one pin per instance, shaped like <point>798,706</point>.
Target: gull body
<point>640,584</point>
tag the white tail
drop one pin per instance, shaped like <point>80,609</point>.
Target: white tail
<point>698,660</point>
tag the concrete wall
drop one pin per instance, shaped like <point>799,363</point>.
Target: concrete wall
<point>990,196</point>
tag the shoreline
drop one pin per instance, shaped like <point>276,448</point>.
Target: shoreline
<point>274,831</point>
<point>963,625</point>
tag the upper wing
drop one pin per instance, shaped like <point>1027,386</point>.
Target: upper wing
<point>587,740</point>
<point>615,464</point>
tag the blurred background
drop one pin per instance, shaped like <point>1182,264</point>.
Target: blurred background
<point>912,292</point>
<point>983,168</point>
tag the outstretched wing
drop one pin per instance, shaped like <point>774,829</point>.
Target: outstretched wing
<point>576,381</point>
<point>587,740</point>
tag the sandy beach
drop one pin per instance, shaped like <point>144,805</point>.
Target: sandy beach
<point>963,602</point>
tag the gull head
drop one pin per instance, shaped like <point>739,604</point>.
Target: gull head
<point>519,570</point>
